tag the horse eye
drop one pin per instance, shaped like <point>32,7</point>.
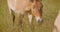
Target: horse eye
<point>31,0</point>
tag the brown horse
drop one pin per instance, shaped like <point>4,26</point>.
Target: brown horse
<point>33,7</point>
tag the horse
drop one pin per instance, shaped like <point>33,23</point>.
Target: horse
<point>33,7</point>
<point>57,24</point>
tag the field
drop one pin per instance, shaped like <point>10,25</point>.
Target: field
<point>50,11</point>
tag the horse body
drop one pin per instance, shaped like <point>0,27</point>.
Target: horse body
<point>19,6</point>
<point>22,6</point>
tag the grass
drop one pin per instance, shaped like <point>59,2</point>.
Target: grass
<point>50,11</point>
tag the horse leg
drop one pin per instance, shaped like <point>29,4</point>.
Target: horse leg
<point>30,18</point>
<point>20,24</point>
<point>13,17</point>
<point>30,21</point>
<point>12,14</point>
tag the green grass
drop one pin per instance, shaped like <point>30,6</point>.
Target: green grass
<point>50,11</point>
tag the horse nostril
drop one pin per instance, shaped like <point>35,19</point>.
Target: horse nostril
<point>39,20</point>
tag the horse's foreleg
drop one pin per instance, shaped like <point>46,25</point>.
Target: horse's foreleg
<point>20,23</point>
<point>30,17</point>
<point>13,17</point>
<point>12,14</point>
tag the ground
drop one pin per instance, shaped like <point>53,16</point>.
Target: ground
<point>50,11</point>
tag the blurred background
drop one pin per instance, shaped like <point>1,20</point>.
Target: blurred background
<point>50,11</point>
